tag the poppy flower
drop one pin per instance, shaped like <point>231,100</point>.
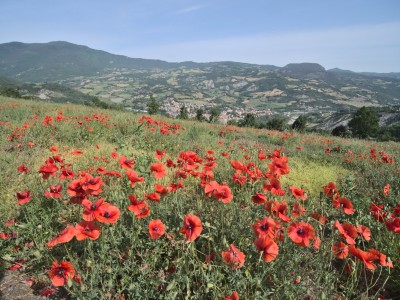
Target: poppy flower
<point>48,170</point>
<point>269,248</point>
<point>340,249</point>
<point>159,154</point>
<point>133,177</point>
<point>386,189</point>
<point>223,193</point>
<point>274,186</point>
<point>160,189</point>
<point>85,229</point>
<point>24,197</point>
<point>54,191</point>
<point>265,227</point>
<point>297,210</point>
<point>234,257</point>
<point>126,163</point>
<point>347,231</point>
<point>139,208</point>
<point>192,227</point>
<point>233,296</point>
<point>330,189</point>
<point>153,197</point>
<point>107,213</point>
<point>63,237</point>
<point>66,174</point>
<point>366,257</point>
<point>259,198</point>
<point>156,229</point>
<point>279,166</point>
<point>320,218</point>
<point>91,208</point>
<point>343,204</point>
<point>22,169</point>
<point>393,225</point>
<point>158,170</point>
<point>301,233</point>
<point>382,258</point>
<point>377,212</point>
<point>61,273</point>
<point>278,209</point>
<point>298,193</point>
<point>364,231</point>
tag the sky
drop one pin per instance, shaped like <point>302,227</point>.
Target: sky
<point>357,35</point>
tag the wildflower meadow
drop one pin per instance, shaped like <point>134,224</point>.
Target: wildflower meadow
<point>106,204</point>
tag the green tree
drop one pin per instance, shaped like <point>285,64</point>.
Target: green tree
<point>248,121</point>
<point>339,130</point>
<point>200,115</point>
<point>277,123</point>
<point>152,105</point>
<point>214,114</point>
<point>10,92</point>
<point>300,123</point>
<point>183,114</point>
<point>365,123</point>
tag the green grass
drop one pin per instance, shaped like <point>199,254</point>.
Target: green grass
<point>125,261</point>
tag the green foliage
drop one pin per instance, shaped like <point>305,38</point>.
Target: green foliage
<point>152,106</point>
<point>365,123</point>
<point>339,130</point>
<point>10,92</point>
<point>200,115</point>
<point>248,121</point>
<point>274,123</point>
<point>183,113</point>
<point>214,114</point>
<point>300,123</point>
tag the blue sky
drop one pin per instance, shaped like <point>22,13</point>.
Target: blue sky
<point>359,35</point>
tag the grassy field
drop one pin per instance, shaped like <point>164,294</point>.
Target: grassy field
<point>102,204</point>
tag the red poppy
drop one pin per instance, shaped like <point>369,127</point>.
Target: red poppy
<point>301,233</point>
<point>63,237</point>
<point>340,249</point>
<point>223,193</point>
<point>366,257</point>
<point>233,296</point>
<point>278,209</point>
<point>53,149</point>
<point>86,230</point>
<point>54,192</point>
<point>107,213</point>
<point>139,208</point>
<point>160,189</point>
<point>234,257</point>
<point>386,189</point>
<point>133,177</point>
<point>297,210</point>
<point>153,197</point>
<point>265,227</point>
<point>126,163</point>
<point>48,170</point>
<point>22,169</point>
<point>269,248</point>
<point>61,273</point>
<point>330,189</point>
<point>377,212</point>
<point>159,154</point>
<point>274,186</point>
<point>320,218</point>
<point>364,231</point>
<point>192,227</point>
<point>279,166</point>
<point>298,193</point>
<point>156,229</point>
<point>24,197</point>
<point>347,231</point>
<point>66,174</point>
<point>382,258</point>
<point>344,204</point>
<point>393,224</point>
<point>259,198</point>
<point>158,170</point>
<point>91,208</point>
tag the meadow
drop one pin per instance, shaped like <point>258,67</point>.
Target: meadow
<point>104,204</point>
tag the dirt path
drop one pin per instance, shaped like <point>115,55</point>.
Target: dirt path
<point>12,287</point>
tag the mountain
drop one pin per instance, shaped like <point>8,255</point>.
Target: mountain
<point>236,89</point>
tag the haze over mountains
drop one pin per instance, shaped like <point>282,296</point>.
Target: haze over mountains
<point>235,88</point>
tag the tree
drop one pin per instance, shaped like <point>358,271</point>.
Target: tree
<point>339,130</point>
<point>248,121</point>
<point>200,115</point>
<point>214,114</point>
<point>183,114</point>
<point>10,92</point>
<point>365,123</point>
<point>153,105</point>
<point>300,123</point>
<point>277,123</point>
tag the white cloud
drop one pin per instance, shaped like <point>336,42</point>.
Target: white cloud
<point>359,48</point>
<point>186,10</point>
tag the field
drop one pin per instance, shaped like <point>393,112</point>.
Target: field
<point>103,204</point>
